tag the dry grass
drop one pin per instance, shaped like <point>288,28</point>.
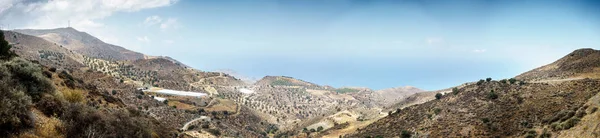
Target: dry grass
<point>45,127</point>
<point>74,95</point>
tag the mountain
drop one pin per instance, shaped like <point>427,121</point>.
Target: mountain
<point>553,100</point>
<point>109,91</point>
<point>83,43</point>
<point>394,95</point>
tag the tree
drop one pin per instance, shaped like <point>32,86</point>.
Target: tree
<point>512,80</point>
<point>438,96</point>
<point>320,128</point>
<point>480,82</point>
<point>492,95</point>
<point>455,91</point>
<point>488,79</point>
<point>5,52</point>
<point>503,81</point>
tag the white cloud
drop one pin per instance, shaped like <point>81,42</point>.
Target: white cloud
<point>479,50</point>
<point>84,15</point>
<point>143,39</point>
<point>152,20</point>
<point>171,23</point>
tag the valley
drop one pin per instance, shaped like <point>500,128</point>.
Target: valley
<point>186,102</point>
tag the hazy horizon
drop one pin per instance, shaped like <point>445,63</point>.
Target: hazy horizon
<point>377,44</point>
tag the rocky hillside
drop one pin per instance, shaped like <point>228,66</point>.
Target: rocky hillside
<point>507,108</point>
<point>102,88</point>
<point>84,43</point>
<point>581,63</point>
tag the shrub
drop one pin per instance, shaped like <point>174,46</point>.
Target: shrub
<point>83,121</point>
<point>320,128</point>
<point>406,134</point>
<point>593,110</point>
<point>556,126</point>
<point>30,77</point>
<point>47,74</point>
<point>512,80</point>
<point>14,109</point>
<point>50,105</point>
<point>114,92</point>
<point>455,91</point>
<point>53,69</point>
<point>545,134</point>
<point>437,111</point>
<point>438,96</point>
<point>214,132</point>
<point>570,123</point>
<point>503,81</point>
<point>531,134</point>
<point>480,82</point>
<point>580,113</point>
<point>488,79</point>
<point>73,96</point>
<point>492,95</point>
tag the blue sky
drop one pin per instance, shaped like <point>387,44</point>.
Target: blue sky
<point>430,44</point>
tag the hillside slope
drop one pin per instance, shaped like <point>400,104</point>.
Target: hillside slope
<point>581,63</point>
<point>505,109</point>
<point>83,43</point>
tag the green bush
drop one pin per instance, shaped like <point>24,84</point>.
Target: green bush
<point>83,121</point>
<point>455,91</point>
<point>531,134</point>
<point>503,81</point>
<point>570,123</point>
<point>50,105</point>
<point>438,96</point>
<point>14,110</point>
<point>214,132</point>
<point>29,76</point>
<point>406,134</point>
<point>488,79</point>
<point>545,134</point>
<point>512,80</point>
<point>437,111</point>
<point>320,128</point>
<point>492,95</point>
<point>480,82</point>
